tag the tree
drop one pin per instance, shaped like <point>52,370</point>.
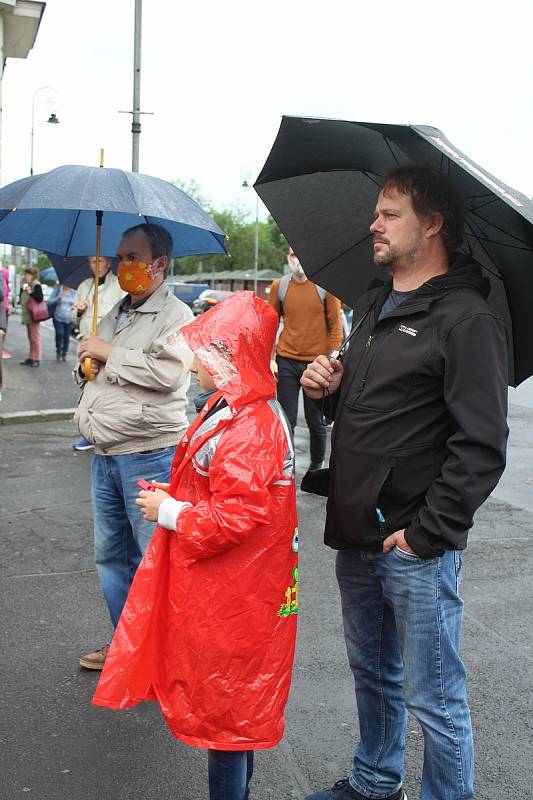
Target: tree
<point>240,243</point>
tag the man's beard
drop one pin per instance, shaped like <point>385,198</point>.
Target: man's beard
<point>392,256</point>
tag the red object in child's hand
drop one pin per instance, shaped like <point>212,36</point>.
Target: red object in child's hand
<point>148,487</point>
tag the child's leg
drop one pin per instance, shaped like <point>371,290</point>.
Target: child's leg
<point>230,772</point>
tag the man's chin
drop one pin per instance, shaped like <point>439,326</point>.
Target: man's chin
<point>382,261</point>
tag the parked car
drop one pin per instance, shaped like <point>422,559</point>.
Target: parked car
<point>188,292</point>
<point>208,298</point>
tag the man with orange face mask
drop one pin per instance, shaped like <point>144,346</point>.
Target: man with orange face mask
<point>133,412</point>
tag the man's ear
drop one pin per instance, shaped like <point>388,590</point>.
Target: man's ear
<point>163,264</point>
<point>434,224</point>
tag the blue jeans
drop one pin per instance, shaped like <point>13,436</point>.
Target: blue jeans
<point>121,534</point>
<point>230,773</point>
<point>402,623</point>
<point>62,330</point>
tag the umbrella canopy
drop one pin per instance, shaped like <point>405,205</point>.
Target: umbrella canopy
<point>72,271</point>
<point>321,181</point>
<point>49,274</point>
<point>55,212</point>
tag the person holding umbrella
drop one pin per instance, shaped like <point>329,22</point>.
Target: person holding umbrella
<point>134,410</point>
<point>109,293</point>
<point>419,400</point>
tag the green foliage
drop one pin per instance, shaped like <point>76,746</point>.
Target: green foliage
<point>241,242</point>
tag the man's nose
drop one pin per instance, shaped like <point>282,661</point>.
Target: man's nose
<point>376,225</point>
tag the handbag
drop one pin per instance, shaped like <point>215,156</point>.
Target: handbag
<point>37,311</point>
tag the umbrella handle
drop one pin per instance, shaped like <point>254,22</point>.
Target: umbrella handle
<point>89,374</point>
<point>87,369</point>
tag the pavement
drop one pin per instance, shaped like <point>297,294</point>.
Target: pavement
<point>57,746</point>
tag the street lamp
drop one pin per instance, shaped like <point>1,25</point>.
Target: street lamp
<point>247,174</point>
<point>53,104</point>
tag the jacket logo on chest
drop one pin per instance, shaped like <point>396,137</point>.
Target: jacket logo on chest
<point>410,331</point>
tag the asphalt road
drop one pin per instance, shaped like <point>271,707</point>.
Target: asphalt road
<point>56,746</point>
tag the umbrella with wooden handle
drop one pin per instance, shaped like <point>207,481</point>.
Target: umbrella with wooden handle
<point>87,369</point>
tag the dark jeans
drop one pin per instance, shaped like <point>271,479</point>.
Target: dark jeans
<point>230,773</point>
<point>289,373</point>
<point>62,330</point>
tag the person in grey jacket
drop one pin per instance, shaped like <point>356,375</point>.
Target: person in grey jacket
<point>133,411</point>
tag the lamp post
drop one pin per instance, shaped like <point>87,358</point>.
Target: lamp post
<point>53,104</point>
<point>247,175</point>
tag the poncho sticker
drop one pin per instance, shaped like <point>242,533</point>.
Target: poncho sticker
<point>290,606</point>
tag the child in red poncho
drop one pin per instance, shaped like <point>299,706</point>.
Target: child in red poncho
<point>209,626</point>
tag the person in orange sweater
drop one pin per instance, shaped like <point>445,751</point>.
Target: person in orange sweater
<point>311,321</point>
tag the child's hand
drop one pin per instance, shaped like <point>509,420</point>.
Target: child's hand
<point>164,486</point>
<point>149,503</point>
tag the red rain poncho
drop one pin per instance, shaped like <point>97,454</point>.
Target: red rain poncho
<point>209,626</point>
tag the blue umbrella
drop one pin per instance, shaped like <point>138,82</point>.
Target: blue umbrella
<point>49,274</point>
<point>71,271</point>
<point>83,211</point>
<point>55,212</point>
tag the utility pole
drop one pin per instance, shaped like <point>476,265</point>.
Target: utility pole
<point>136,112</point>
<point>136,121</point>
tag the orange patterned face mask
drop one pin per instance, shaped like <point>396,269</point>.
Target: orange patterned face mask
<point>135,277</point>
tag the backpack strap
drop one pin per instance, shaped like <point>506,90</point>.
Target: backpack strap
<point>284,286</point>
<point>282,291</point>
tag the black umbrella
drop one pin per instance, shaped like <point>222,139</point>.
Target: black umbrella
<point>321,181</point>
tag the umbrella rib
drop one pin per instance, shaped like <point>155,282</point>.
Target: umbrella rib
<point>527,247</point>
<point>72,232</point>
<point>391,150</point>
<point>369,176</point>
<point>339,255</point>
<point>496,274</point>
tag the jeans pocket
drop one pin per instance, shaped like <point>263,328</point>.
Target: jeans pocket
<point>405,556</point>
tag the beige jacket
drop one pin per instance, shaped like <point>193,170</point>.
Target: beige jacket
<point>109,293</point>
<point>138,399</point>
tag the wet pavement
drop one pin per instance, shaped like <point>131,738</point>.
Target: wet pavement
<point>56,746</point>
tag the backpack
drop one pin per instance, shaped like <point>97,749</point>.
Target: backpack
<point>284,287</point>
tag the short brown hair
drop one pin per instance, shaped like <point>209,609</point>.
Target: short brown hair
<point>431,193</point>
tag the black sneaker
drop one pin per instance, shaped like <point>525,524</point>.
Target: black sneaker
<point>343,790</point>
<point>27,362</point>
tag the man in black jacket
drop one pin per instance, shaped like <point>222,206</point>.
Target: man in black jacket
<point>420,404</point>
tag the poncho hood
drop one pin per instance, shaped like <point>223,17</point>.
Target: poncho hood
<point>234,341</point>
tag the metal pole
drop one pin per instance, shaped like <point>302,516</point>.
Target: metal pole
<point>32,124</point>
<point>136,121</point>
<point>256,243</point>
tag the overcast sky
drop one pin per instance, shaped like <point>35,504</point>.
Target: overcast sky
<point>218,76</point>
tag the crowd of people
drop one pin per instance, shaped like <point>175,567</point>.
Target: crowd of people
<point>195,526</point>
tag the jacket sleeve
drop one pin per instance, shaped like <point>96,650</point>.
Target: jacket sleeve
<point>475,392</point>
<point>248,459</point>
<point>37,292</point>
<point>160,365</point>
<point>333,312</point>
